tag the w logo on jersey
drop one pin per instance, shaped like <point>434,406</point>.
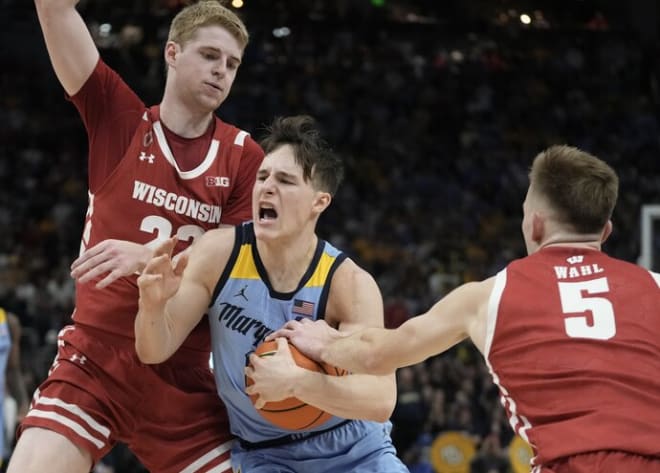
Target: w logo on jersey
<point>217,181</point>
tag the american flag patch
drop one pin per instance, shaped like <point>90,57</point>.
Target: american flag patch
<point>303,307</point>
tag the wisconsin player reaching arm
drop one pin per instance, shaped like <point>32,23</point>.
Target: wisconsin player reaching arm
<point>249,280</point>
<point>173,170</point>
<point>571,335</point>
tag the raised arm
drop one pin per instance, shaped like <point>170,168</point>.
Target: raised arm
<point>173,301</point>
<point>70,45</point>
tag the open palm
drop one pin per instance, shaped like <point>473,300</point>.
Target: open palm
<point>161,278</point>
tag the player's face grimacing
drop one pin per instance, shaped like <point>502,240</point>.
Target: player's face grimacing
<point>282,201</point>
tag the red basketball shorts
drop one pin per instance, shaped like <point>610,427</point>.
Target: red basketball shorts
<point>603,462</point>
<point>98,393</point>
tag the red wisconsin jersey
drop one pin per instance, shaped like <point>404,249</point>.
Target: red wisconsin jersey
<point>147,199</point>
<point>573,341</point>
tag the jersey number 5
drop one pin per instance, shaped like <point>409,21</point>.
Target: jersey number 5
<point>576,298</point>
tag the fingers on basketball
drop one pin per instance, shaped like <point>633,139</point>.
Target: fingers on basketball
<point>292,413</point>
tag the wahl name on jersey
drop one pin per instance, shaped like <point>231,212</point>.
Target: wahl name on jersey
<point>577,268</point>
<point>176,203</point>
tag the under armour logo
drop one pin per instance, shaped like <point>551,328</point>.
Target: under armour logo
<point>147,157</point>
<point>75,357</point>
<point>241,293</point>
<point>575,259</point>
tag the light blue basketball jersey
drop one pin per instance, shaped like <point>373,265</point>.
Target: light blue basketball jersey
<point>245,309</point>
<point>5,347</point>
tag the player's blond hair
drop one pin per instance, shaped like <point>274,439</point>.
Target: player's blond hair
<point>206,13</point>
<point>579,187</point>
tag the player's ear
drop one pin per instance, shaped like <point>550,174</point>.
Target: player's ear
<point>171,50</point>
<point>607,231</point>
<point>321,201</point>
<point>538,227</point>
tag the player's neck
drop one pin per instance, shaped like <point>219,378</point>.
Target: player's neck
<point>286,264</point>
<point>181,120</point>
<point>588,241</point>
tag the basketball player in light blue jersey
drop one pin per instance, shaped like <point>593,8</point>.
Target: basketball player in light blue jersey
<point>251,280</point>
<point>12,377</point>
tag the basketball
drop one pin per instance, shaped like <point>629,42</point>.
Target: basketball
<point>291,413</point>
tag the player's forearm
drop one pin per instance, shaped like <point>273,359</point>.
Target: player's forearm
<point>153,336</point>
<point>354,396</point>
<point>361,352</point>
<point>55,4</point>
<point>70,45</point>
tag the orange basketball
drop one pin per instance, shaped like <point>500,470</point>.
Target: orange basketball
<point>291,413</point>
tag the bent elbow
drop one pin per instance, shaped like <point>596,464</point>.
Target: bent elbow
<point>385,412</point>
<point>146,356</point>
<point>384,409</point>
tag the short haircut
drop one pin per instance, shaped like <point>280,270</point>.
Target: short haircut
<point>206,13</point>
<point>581,188</point>
<point>318,161</point>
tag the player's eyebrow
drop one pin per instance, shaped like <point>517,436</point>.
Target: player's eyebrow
<point>220,51</point>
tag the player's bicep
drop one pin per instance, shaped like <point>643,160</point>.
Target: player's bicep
<point>355,300</point>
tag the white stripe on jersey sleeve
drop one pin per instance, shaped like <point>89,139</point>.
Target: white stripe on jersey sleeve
<point>655,276</point>
<point>493,305</point>
<point>240,138</point>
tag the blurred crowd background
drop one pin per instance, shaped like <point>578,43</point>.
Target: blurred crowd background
<point>438,108</point>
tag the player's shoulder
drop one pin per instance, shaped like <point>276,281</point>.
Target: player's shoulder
<point>349,276</point>
<point>215,242</point>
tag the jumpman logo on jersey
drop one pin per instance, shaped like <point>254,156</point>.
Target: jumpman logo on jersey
<point>241,293</point>
<point>146,157</point>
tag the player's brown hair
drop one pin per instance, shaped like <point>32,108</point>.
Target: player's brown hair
<point>581,188</point>
<point>319,163</point>
<point>206,13</point>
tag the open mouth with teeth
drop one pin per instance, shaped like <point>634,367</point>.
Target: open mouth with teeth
<point>267,213</point>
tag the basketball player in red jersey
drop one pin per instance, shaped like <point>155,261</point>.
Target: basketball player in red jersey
<point>571,335</point>
<point>173,170</point>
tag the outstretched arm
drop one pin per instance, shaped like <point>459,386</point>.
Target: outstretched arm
<point>70,45</point>
<point>460,314</point>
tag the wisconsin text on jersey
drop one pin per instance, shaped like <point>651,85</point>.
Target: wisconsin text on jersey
<point>576,269</point>
<point>176,203</point>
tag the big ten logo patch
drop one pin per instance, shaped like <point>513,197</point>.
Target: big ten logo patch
<point>217,181</point>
